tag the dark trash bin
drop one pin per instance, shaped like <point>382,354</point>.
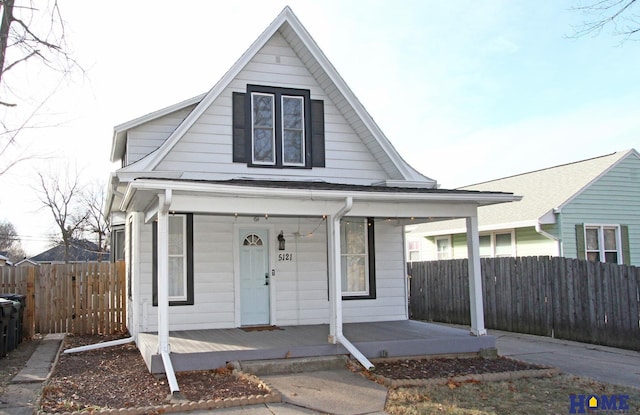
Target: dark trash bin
<point>12,327</point>
<point>22,299</point>
<point>6,308</point>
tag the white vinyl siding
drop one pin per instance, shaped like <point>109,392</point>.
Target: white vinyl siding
<point>205,151</point>
<point>147,137</point>
<point>301,285</point>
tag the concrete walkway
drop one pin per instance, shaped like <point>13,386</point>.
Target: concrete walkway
<point>605,364</point>
<point>21,396</point>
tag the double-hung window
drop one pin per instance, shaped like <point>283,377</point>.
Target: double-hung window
<point>180,257</point>
<point>357,258</point>
<point>278,128</point>
<point>497,244</point>
<point>265,132</point>
<point>602,243</point>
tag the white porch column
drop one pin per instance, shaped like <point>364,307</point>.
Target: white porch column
<point>164,201</point>
<point>475,278</point>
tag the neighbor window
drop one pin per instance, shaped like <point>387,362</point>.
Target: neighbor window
<point>117,244</point>
<point>180,257</point>
<point>602,243</point>
<point>413,248</point>
<point>443,247</point>
<point>497,244</point>
<point>357,258</point>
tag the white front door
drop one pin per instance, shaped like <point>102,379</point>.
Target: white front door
<point>254,277</point>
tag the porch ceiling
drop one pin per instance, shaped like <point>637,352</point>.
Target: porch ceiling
<point>250,197</point>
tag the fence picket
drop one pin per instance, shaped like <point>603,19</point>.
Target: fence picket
<point>83,298</point>
<point>561,297</point>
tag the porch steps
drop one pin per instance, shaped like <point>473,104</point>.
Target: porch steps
<point>294,365</point>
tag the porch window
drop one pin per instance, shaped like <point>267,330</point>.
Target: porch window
<point>180,260</point>
<point>357,258</point>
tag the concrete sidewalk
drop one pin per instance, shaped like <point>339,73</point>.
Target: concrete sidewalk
<point>21,396</point>
<point>605,364</point>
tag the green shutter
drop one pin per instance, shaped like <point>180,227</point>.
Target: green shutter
<point>317,133</point>
<point>239,128</point>
<point>580,248</point>
<point>626,252</point>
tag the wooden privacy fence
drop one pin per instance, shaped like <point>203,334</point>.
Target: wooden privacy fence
<point>79,298</point>
<point>566,298</point>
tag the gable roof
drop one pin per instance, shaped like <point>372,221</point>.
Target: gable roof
<point>80,250</point>
<point>543,191</point>
<point>288,25</point>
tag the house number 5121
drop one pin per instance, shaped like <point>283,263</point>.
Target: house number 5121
<point>285,257</point>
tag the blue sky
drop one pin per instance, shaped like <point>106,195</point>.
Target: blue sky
<point>467,91</point>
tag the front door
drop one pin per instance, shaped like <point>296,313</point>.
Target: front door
<point>254,277</point>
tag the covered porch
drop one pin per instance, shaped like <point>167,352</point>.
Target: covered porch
<point>210,349</point>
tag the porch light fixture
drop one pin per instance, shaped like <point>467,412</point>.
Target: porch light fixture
<point>281,241</point>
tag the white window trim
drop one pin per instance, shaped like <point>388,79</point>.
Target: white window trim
<point>449,248</point>
<point>492,236</point>
<point>273,131</point>
<point>302,148</point>
<point>602,251</point>
<point>184,259</point>
<point>365,292</point>
<point>418,241</point>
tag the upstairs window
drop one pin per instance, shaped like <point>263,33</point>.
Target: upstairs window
<point>278,128</point>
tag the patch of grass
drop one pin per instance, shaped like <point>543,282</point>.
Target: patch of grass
<point>524,396</point>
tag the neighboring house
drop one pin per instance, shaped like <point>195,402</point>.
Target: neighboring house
<point>587,209</point>
<point>274,199</point>
<point>4,259</point>
<point>80,250</point>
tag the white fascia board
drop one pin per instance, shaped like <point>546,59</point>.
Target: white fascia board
<point>286,16</point>
<point>485,228</point>
<point>408,183</point>
<point>407,171</point>
<point>120,130</point>
<point>152,161</point>
<point>158,186</point>
<point>624,155</point>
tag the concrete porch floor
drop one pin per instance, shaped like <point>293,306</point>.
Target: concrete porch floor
<point>209,349</point>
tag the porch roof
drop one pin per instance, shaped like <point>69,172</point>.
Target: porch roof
<point>278,197</point>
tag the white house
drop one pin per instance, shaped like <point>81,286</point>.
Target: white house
<point>272,200</point>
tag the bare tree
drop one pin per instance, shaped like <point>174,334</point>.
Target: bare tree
<point>62,195</point>
<point>10,242</point>
<point>30,32</point>
<point>622,16</point>
<point>96,226</point>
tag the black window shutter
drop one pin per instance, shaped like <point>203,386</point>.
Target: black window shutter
<point>580,248</point>
<point>317,133</point>
<point>239,129</point>
<point>626,252</point>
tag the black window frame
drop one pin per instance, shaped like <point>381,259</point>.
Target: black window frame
<point>189,264</point>
<point>277,93</point>
<point>242,134</point>
<point>371,259</point>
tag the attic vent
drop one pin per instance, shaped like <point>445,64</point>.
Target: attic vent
<point>277,59</point>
